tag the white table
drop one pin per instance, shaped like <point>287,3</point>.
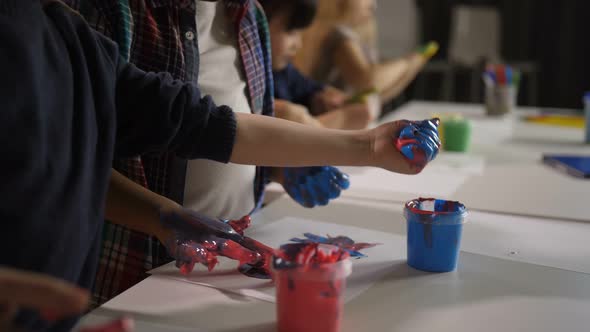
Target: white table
<point>510,177</point>
<point>496,288</point>
<point>502,139</point>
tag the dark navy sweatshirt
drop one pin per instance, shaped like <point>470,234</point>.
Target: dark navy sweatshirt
<point>69,105</point>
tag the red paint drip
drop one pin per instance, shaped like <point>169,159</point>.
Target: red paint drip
<point>241,225</point>
<point>187,268</point>
<point>235,251</point>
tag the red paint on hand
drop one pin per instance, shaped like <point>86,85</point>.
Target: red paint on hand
<point>235,251</point>
<point>241,225</point>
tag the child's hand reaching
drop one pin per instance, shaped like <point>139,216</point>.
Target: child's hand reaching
<point>328,99</point>
<point>353,116</point>
<point>357,116</point>
<point>199,239</point>
<point>385,154</point>
<point>293,112</point>
<point>419,141</point>
<point>312,186</point>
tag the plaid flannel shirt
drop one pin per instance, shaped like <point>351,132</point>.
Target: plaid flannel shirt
<point>161,36</point>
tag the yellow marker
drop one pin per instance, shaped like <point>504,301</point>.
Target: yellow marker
<point>558,120</point>
<point>361,97</point>
<point>429,50</point>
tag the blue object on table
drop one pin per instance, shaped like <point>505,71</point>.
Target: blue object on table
<point>312,186</point>
<point>587,113</point>
<point>578,166</point>
<point>434,234</point>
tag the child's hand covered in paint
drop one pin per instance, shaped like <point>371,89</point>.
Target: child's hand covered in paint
<point>419,142</point>
<point>197,238</point>
<point>383,151</point>
<point>312,186</point>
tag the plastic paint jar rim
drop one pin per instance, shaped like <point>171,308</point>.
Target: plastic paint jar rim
<point>326,272</point>
<point>319,272</point>
<point>413,213</point>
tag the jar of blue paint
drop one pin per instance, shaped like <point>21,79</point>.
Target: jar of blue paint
<point>434,233</point>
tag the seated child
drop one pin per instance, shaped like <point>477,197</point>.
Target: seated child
<point>297,97</point>
<point>337,54</point>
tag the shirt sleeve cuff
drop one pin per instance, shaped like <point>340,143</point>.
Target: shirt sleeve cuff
<point>218,139</point>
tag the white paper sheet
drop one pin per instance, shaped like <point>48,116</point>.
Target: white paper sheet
<point>457,162</point>
<point>365,272</point>
<point>540,241</point>
<point>376,183</point>
<point>163,296</point>
<point>93,320</point>
<point>527,189</point>
<point>440,179</point>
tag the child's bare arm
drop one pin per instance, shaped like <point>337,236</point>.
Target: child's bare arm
<point>390,78</point>
<point>135,207</point>
<point>285,143</point>
<point>174,116</point>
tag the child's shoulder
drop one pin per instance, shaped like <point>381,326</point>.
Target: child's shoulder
<point>56,8</point>
<point>74,28</point>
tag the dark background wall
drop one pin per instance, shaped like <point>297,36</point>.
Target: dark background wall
<point>555,34</point>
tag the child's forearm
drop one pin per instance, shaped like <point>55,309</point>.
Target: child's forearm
<point>415,63</point>
<point>361,74</point>
<point>272,142</point>
<point>131,205</point>
<point>389,74</point>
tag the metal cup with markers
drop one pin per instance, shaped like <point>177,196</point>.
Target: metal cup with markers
<point>501,89</point>
<point>310,281</point>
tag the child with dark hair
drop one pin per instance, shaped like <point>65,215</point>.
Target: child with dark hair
<point>299,98</point>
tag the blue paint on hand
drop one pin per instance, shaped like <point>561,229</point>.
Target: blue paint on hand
<point>313,186</point>
<point>419,141</point>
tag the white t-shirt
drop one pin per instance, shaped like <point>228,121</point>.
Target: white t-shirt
<point>212,188</point>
